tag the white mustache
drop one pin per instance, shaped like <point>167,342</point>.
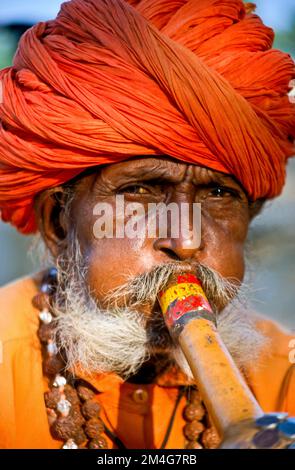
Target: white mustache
<point>145,287</point>
<point>120,338</point>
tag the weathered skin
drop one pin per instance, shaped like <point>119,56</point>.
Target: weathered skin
<point>226,214</point>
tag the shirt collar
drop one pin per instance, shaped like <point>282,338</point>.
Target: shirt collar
<point>103,382</point>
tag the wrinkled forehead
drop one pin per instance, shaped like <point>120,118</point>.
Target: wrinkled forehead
<point>159,168</point>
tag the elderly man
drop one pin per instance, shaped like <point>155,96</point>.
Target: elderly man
<point>158,102</point>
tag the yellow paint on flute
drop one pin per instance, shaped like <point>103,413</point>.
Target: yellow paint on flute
<point>179,291</point>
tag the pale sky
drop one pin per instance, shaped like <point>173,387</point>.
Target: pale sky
<point>275,13</point>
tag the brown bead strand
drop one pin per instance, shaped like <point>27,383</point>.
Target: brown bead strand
<point>193,413</point>
<point>210,437</point>
<point>94,427</point>
<point>73,415</point>
<point>199,431</point>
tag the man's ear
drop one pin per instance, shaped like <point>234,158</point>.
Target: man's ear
<point>51,217</point>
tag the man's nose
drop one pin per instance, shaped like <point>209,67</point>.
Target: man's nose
<point>187,243</point>
<point>177,248</point>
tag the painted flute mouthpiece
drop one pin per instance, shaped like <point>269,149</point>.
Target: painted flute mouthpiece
<point>182,300</point>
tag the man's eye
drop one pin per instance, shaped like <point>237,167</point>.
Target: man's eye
<point>133,189</point>
<point>223,191</point>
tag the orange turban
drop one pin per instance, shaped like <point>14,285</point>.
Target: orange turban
<point>111,79</point>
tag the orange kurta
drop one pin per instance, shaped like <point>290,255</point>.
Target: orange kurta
<point>139,419</point>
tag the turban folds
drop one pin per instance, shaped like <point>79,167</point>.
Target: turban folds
<point>110,79</point>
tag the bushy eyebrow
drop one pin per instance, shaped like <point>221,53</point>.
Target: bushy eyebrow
<point>156,172</point>
<point>145,172</point>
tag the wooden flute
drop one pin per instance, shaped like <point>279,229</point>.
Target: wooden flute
<point>191,323</point>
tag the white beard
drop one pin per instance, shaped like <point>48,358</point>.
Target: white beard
<point>119,339</point>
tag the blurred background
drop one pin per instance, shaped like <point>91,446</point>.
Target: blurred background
<point>272,238</point>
